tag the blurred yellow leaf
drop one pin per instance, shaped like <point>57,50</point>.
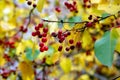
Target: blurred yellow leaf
<point>67,77</point>
<point>118,46</point>
<point>95,1</point>
<point>86,40</point>
<point>20,49</point>
<point>84,77</point>
<point>40,5</point>
<point>65,64</point>
<point>6,26</point>
<point>55,57</point>
<point>109,7</point>
<point>26,70</point>
<point>22,1</point>
<point>118,43</point>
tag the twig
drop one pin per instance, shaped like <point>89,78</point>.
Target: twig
<point>116,78</point>
<point>29,17</point>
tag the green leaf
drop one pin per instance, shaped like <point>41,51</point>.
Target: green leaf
<point>74,19</point>
<point>104,48</point>
<point>29,54</point>
<point>105,15</point>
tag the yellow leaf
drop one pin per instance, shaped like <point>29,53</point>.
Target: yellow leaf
<point>67,77</point>
<point>109,7</point>
<point>118,46</point>
<point>65,64</point>
<point>84,77</point>
<point>26,71</point>
<point>20,49</point>
<point>95,1</point>
<point>22,1</point>
<point>55,57</point>
<point>40,5</point>
<point>86,40</point>
<point>118,42</point>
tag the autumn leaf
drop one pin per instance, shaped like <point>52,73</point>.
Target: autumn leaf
<point>40,5</point>
<point>26,70</point>
<point>65,64</point>
<point>86,40</point>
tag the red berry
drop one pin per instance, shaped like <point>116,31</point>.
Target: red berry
<point>21,28</point>
<point>36,28</point>
<point>25,30</point>
<point>40,25</point>
<point>40,35</point>
<point>45,30</point>
<point>54,34</point>
<point>71,41</point>
<point>60,31</point>
<point>72,47</point>
<point>66,3</point>
<point>68,33</point>
<point>65,35</point>
<point>41,49</point>
<point>67,49</point>
<point>57,9</point>
<point>78,44</point>
<point>44,34</point>
<point>44,39</point>
<point>74,2</point>
<point>34,34</point>
<point>60,48</point>
<point>38,32</point>
<point>34,5</point>
<point>89,24</point>
<point>90,17</point>
<point>45,48</point>
<point>29,2</point>
<point>41,44</point>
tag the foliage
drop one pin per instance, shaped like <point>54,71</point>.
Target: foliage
<point>53,39</point>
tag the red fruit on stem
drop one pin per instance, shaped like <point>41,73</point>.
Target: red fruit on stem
<point>44,39</point>
<point>34,5</point>
<point>45,30</point>
<point>34,34</point>
<point>44,34</point>
<point>45,48</point>
<point>89,24</point>
<point>41,49</point>
<point>60,31</point>
<point>72,47</point>
<point>71,41</point>
<point>57,9</point>
<point>67,49</point>
<point>29,2</point>
<point>36,28</point>
<point>41,44</point>
<point>40,25</point>
<point>60,48</point>
<point>54,34</point>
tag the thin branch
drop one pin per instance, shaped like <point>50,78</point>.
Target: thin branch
<point>29,17</point>
<point>116,78</point>
<point>63,21</point>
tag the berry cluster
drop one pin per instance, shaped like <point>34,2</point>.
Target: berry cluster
<point>71,6</point>
<point>22,29</point>
<point>42,35</point>
<point>86,4</point>
<point>58,9</point>
<point>5,73</point>
<point>9,44</point>
<point>30,3</point>
<point>61,35</point>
